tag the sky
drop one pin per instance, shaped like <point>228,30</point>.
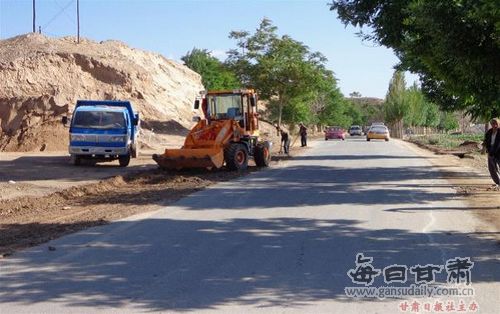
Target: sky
<point>174,27</point>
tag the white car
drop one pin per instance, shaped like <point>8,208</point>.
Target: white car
<point>355,130</point>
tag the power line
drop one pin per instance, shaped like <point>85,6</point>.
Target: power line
<point>69,18</point>
<point>58,13</point>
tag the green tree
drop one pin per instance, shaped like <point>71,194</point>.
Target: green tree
<point>448,121</point>
<point>355,114</point>
<point>215,75</point>
<point>329,106</point>
<point>432,116</point>
<point>282,69</point>
<point>416,114</point>
<point>421,112</point>
<point>371,110</point>
<point>337,111</point>
<point>454,45</point>
<point>397,105</point>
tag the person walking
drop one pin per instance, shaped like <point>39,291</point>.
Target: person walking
<point>303,134</point>
<point>492,145</point>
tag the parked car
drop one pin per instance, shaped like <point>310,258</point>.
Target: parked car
<point>379,132</point>
<point>334,132</point>
<point>355,130</point>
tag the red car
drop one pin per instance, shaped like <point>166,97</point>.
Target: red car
<point>334,132</point>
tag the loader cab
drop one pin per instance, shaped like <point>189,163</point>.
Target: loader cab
<point>225,106</point>
<point>239,105</point>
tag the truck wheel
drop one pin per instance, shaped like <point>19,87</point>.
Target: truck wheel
<point>124,160</point>
<point>236,157</point>
<point>75,160</point>
<point>262,155</point>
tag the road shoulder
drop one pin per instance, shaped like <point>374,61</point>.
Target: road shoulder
<point>472,188</point>
<point>28,219</point>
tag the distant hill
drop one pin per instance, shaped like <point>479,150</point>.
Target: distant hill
<point>366,100</point>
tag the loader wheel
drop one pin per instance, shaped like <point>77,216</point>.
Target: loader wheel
<point>124,160</point>
<point>236,157</point>
<point>262,156</point>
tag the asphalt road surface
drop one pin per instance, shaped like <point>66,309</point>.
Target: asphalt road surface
<point>278,240</point>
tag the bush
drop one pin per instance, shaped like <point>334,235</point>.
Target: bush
<point>434,141</point>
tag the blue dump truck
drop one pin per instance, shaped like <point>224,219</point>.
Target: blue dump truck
<point>103,131</point>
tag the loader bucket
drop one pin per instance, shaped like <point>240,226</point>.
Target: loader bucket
<point>176,159</point>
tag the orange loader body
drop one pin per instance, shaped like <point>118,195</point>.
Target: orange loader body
<point>228,135</point>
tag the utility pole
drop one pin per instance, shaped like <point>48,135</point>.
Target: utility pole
<point>77,21</point>
<point>34,17</point>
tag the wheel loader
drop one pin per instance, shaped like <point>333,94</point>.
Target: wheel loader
<point>227,134</point>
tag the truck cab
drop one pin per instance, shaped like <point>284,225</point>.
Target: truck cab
<point>102,131</point>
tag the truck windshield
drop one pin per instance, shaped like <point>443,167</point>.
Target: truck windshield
<point>225,106</point>
<point>99,120</point>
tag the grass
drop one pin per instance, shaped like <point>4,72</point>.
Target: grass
<point>448,141</point>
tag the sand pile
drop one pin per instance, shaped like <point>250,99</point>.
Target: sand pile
<point>41,78</point>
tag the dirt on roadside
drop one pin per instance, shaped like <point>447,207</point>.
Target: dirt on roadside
<point>470,178</point>
<point>31,219</point>
<point>27,221</point>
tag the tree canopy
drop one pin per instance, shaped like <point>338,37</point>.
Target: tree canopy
<point>452,44</point>
<point>285,72</point>
<point>291,79</point>
<point>409,107</point>
<point>213,72</point>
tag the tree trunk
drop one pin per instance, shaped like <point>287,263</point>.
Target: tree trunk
<point>280,112</point>
<point>398,126</point>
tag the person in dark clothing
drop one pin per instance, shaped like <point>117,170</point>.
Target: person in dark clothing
<point>492,145</point>
<point>285,141</point>
<point>303,134</point>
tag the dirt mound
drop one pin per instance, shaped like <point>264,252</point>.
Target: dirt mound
<point>471,145</point>
<point>43,77</point>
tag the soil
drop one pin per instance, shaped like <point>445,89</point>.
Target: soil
<point>469,176</point>
<point>27,221</point>
<point>43,77</point>
<point>43,197</point>
<point>464,150</point>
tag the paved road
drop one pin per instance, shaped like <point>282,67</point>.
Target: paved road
<point>280,240</point>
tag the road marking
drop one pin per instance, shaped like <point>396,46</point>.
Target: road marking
<point>429,236</point>
<point>432,218</point>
